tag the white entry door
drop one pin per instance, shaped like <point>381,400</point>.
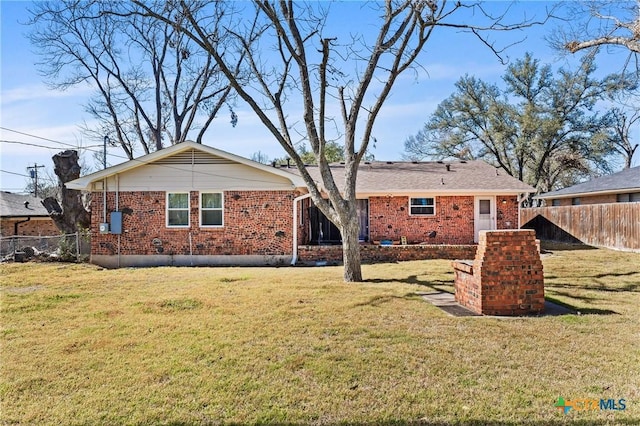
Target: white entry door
<point>485,215</point>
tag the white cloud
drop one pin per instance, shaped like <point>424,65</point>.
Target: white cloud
<point>39,92</point>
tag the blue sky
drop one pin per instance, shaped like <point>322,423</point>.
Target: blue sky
<point>53,117</point>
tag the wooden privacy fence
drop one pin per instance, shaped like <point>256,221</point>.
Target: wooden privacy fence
<point>615,226</point>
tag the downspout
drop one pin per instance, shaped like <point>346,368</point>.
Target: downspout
<point>118,209</point>
<point>294,259</point>
<point>104,200</point>
<point>15,225</point>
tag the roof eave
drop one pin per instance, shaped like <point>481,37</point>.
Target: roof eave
<point>84,183</point>
<point>549,195</point>
<point>446,192</point>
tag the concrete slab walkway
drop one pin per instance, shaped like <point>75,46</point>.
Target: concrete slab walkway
<point>446,301</point>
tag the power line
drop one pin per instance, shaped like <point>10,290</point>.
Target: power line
<point>49,147</point>
<point>14,173</point>
<point>27,176</point>
<point>37,137</point>
<point>88,148</point>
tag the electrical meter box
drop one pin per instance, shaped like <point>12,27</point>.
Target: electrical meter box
<point>116,222</point>
<point>104,228</point>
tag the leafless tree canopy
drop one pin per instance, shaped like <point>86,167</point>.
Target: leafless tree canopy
<point>593,25</point>
<point>312,79</point>
<point>152,85</point>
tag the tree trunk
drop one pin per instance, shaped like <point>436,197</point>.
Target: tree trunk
<point>72,215</point>
<point>351,249</point>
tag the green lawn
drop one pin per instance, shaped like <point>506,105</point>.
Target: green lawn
<point>82,345</point>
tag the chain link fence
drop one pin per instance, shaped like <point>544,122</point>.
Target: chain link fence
<point>65,248</point>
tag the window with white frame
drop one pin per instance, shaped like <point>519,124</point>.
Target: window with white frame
<point>422,206</point>
<point>177,209</point>
<point>211,209</point>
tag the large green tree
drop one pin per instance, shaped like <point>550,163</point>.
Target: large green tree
<point>540,128</point>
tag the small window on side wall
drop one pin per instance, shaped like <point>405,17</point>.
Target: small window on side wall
<point>422,206</point>
<point>177,209</point>
<point>211,209</point>
<point>622,198</point>
<point>575,201</point>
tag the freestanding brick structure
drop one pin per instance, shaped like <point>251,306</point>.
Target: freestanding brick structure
<point>505,278</point>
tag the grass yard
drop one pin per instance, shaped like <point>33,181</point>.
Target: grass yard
<point>82,345</point>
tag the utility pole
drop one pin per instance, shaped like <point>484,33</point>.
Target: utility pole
<point>104,151</point>
<point>33,172</point>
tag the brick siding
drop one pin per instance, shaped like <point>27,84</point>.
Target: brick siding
<point>33,228</point>
<point>453,221</point>
<point>255,223</point>
<point>374,253</point>
<point>507,212</point>
<point>593,199</point>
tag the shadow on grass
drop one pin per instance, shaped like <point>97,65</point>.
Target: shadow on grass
<point>551,246</point>
<point>631,287</point>
<point>413,279</point>
<point>581,311</point>
<point>379,300</point>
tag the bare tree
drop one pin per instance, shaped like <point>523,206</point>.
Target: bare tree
<point>311,84</point>
<point>152,84</point>
<point>594,25</point>
<point>623,120</point>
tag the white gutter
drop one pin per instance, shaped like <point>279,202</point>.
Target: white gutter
<point>294,259</point>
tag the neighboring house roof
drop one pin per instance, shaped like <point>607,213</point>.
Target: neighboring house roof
<point>627,180</point>
<point>180,158</point>
<point>433,177</point>
<point>17,205</point>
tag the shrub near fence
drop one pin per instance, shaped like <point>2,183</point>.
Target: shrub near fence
<point>614,225</point>
<point>64,247</point>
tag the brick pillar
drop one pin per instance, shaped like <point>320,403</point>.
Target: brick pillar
<point>507,277</point>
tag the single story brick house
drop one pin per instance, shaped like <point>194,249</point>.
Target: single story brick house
<point>24,215</point>
<point>621,187</point>
<point>191,204</point>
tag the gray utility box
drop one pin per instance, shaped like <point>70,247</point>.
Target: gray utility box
<point>116,222</point>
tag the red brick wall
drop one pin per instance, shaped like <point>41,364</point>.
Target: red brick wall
<point>389,218</point>
<point>255,223</point>
<point>374,253</point>
<point>599,199</point>
<point>594,199</point>
<point>35,227</point>
<point>453,222</point>
<point>507,212</point>
<point>507,276</point>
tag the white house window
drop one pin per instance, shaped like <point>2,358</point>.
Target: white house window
<point>211,207</point>
<point>422,206</point>
<point>178,209</point>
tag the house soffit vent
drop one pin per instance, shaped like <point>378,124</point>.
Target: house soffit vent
<point>193,156</point>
